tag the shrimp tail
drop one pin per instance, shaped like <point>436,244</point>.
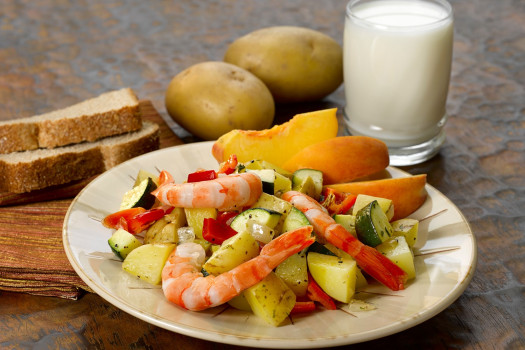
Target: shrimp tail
<point>381,268</point>
<point>287,244</point>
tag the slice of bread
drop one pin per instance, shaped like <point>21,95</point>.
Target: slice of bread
<point>36,169</point>
<point>112,113</point>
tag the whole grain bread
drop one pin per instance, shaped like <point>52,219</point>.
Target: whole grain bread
<point>112,113</point>
<point>40,168</point>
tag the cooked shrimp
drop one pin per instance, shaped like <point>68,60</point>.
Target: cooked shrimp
<point>368,258</point>
<point>184,284</point>
<point>228,192</point>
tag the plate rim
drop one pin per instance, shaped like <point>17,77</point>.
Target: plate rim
<point>240,340</point>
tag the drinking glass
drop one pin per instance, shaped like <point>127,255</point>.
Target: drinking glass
<point>397,63</point>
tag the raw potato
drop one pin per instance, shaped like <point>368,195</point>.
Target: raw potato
<point>297,64</point>
<point>210,99</point>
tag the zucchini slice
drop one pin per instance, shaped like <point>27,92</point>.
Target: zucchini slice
<point>347,221</point>
<point>295,219</point>
<point>371,225</point>
<point>266,217</point>
<point>122,243</point>
<point>140,195</point>
<point>312,186</point>
<point>257,164</point>
<point>268,179</point>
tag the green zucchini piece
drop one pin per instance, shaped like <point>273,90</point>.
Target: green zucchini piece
<point>273,182</point>
<point>386,204</point>
<point>372,226</point>
<point>312,187</point>
<point>257,164</point>
<point>269,218</point>
<point>295,219</point>
<point>144,174</point>
<point>317,247</point>
<point>140,195</point>
<point>122,243</point>
<point>268,179</point>
<point>347,221</point>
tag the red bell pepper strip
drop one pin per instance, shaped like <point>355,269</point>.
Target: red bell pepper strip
<point>226,216</point>
<point>337,202</point>
<point>202,175</point>
<point>135,220</point>
<point>115,219</point>
<point>315,293</point>
<point>228,166</point>
<point>215,231</point>
<point>303,307</point>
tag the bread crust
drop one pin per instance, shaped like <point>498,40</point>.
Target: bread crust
<point>112,113</point>
<point>37,169</point>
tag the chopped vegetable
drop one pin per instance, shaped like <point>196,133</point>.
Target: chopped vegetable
<point>215,231</point>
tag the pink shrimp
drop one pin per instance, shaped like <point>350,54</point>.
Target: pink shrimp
<point>368,258</point>
<point>228,192</point>
<point>184,284</point>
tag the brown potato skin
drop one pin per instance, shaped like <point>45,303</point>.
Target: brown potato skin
<point>212,98</point>
<point>297,64</point>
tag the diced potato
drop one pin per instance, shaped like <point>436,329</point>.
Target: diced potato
<point>282,184</point>
<point>165,229</point>
<point>177,217</point>
<point>147,261</point>
<point>240,303</point>
<point>196,216</point>
<point>294,272</point>
<point>271,299</point>
<point>155,230</point>
<point>363,200</point>
<point>398,251</point>
<point>361,281</point>
<point>335,275</point>
<point>233,251</point>
<point>408,228</point>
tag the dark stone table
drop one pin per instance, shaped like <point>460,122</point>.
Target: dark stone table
<point>55,53</point>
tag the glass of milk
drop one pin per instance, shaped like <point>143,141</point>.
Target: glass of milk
<point>397,61</point>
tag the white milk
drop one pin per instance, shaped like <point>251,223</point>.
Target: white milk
<point>397,61</point>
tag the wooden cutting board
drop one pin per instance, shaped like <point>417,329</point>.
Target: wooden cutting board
<point>32,257</point>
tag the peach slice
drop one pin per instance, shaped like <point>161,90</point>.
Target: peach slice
<point>407,193</point>
<point>278,144</point>
<point>342,159</point>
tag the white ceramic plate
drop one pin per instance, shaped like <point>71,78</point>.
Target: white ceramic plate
<point>445,263</point>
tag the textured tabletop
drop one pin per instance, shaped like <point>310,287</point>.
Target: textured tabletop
<point>56,53</point>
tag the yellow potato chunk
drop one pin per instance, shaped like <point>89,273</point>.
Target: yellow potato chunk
<point>271,299</point>
<point>147,261</point>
